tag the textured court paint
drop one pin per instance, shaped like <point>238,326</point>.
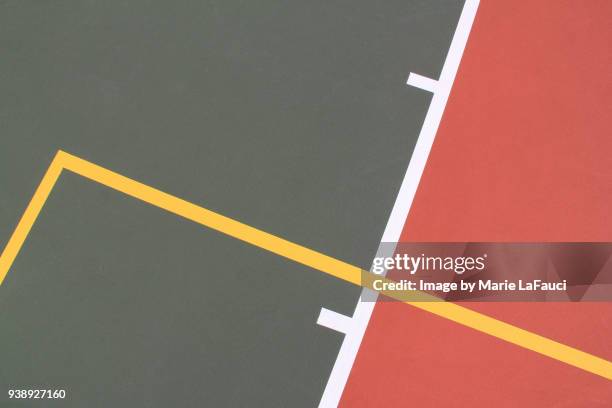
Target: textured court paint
<point>174,205</point>
<point>393,228</point>
<point>522,154</point>
<point>415,358</point>
<point>141,310</point>
<point>286,249</point>
<point>283,114</point>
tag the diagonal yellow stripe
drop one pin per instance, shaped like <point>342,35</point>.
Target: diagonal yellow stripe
<point>29,216</point>
<point>290,250</point>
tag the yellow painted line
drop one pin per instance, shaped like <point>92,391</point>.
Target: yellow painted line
<point>29,216</point>
<point>211,219</point>
<point>497,328</point>
<point>290,250</point>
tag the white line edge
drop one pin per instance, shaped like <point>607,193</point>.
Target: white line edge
<point>422,82</point>
<point>363,311</point>
<point>334,320</point>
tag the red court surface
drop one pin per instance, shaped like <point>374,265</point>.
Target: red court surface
<point>523,154</point>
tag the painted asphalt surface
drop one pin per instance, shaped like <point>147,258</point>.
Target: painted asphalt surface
<point>293,118</point>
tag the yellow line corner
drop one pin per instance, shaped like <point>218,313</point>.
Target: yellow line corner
<point>287,249</point>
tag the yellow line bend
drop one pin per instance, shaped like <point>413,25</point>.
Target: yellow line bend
<point>287,249</point>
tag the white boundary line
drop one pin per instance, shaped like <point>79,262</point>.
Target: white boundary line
<point>356,327</point>
<point>334,320</point>
<point>422,82</point>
